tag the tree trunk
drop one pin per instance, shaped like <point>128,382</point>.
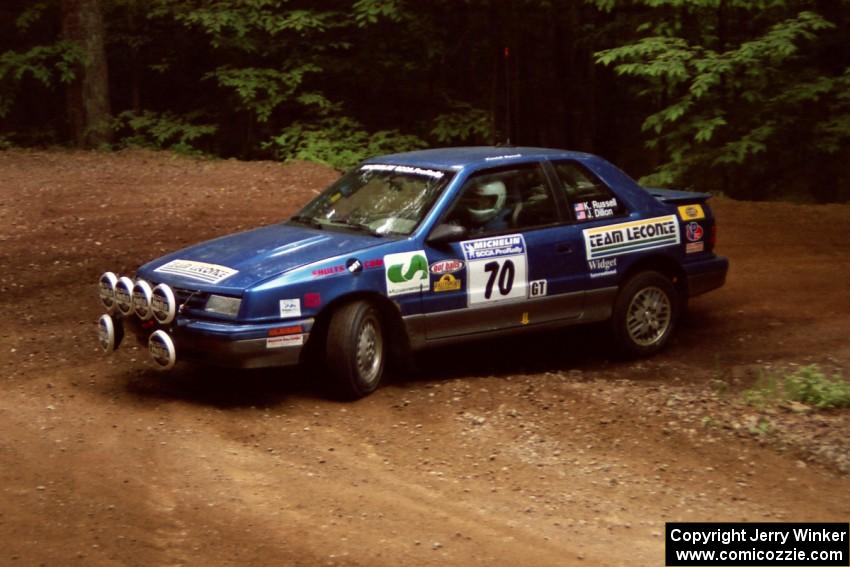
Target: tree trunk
<point>88,95</point>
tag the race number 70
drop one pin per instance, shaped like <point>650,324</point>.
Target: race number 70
<point>505,276</point>
<point>497,279</point>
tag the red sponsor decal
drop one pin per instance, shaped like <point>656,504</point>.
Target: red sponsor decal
<point>446,266</point>
<point>312,300</point>
<point>285,331</point>
<point>328,271</point>
<point>376,263</point>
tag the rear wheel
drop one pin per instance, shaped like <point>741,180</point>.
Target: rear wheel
<point>355,350</point>
<point>645,314</point>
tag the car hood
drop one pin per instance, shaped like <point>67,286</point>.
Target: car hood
<point>239,261</point>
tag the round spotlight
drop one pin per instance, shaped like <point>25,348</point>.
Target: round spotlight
<point>124,295</point>
<point>163,304</point>
<point>162,350</point>
<point>109,333</point>
<point>142,295</point>
<point>106,290</point>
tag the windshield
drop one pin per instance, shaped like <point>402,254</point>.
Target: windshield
<point>377,198</point>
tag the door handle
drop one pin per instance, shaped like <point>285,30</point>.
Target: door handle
<point>563,248</point>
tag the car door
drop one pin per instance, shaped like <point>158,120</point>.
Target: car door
<point>517,265</point>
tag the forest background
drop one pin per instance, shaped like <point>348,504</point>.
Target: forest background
<point>746,98</point>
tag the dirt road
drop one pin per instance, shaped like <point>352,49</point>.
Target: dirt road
<point>533,451</point>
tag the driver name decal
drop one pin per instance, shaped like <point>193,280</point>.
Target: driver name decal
<point>636,236</point>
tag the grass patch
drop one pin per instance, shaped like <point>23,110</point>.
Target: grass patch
<point>807,385</point>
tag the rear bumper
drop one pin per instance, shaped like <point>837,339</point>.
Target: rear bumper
<point>234,345</point>
<point>706,275</point>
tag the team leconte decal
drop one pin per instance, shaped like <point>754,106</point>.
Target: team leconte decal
<point>496,269</point>
<point>595,209</point>
<point>290,308</point>
<point>208,273</point>
<point>447,282</point>
<point>691,212</point>
<point>406,272</point>
<point>636,236</point>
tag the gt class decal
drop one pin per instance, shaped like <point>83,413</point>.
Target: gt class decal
<point>496,269</point>
<point>406,272</point>
<point>207,273</point>
<point>636,236</point>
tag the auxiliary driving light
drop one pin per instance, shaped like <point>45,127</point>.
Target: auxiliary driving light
<point>106,290</point>
<point>142,295</point>
<point>124,295</point>
<point>163,304</point>
<point>109,333</point>
<point>162,350</point>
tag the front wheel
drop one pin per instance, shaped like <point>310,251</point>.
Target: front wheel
<point>355,350</point>
<point>645,314</point>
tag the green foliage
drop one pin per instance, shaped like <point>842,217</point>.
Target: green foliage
<point>47,64</point>
<point>339,142</point>
<point>370,11</point>
<point>161,131</point>
<point>261,91</point>
<point>808,385</point>
<point>729,107</point>
<point>463,124</point>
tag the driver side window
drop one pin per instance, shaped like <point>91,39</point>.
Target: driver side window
<point>504,200</point>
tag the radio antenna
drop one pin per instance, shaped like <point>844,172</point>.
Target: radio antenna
<point>507,96</point>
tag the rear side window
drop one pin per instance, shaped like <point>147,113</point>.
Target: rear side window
<point>589,198</point>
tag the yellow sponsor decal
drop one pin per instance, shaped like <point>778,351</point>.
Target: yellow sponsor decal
<point>691,212</point>
<point>524,319</point>
<point>447,283</point>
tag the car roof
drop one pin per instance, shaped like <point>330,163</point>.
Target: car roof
<point>474,156</point>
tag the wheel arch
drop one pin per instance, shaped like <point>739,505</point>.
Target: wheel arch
<point>664,265</point>
<point>395,330</point>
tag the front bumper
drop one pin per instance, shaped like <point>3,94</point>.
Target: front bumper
<point>232,345</point>
<point>706,275</point>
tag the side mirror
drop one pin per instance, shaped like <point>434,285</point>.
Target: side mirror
<point>445,233</point>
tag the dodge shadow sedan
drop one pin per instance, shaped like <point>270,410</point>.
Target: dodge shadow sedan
<point>412,250</point>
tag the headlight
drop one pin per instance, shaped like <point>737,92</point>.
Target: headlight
<point>124,295</point>
<point>106,289</point>
<point>163,304</point>
<point>223,305</point>
<point>142,295</point>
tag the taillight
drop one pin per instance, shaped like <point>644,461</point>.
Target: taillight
<point>712,238</point>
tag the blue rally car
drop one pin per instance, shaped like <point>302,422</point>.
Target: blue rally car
<point>425,248</point>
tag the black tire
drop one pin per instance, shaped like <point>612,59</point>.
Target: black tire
<point>355,350</point>
<point>645,314</point>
